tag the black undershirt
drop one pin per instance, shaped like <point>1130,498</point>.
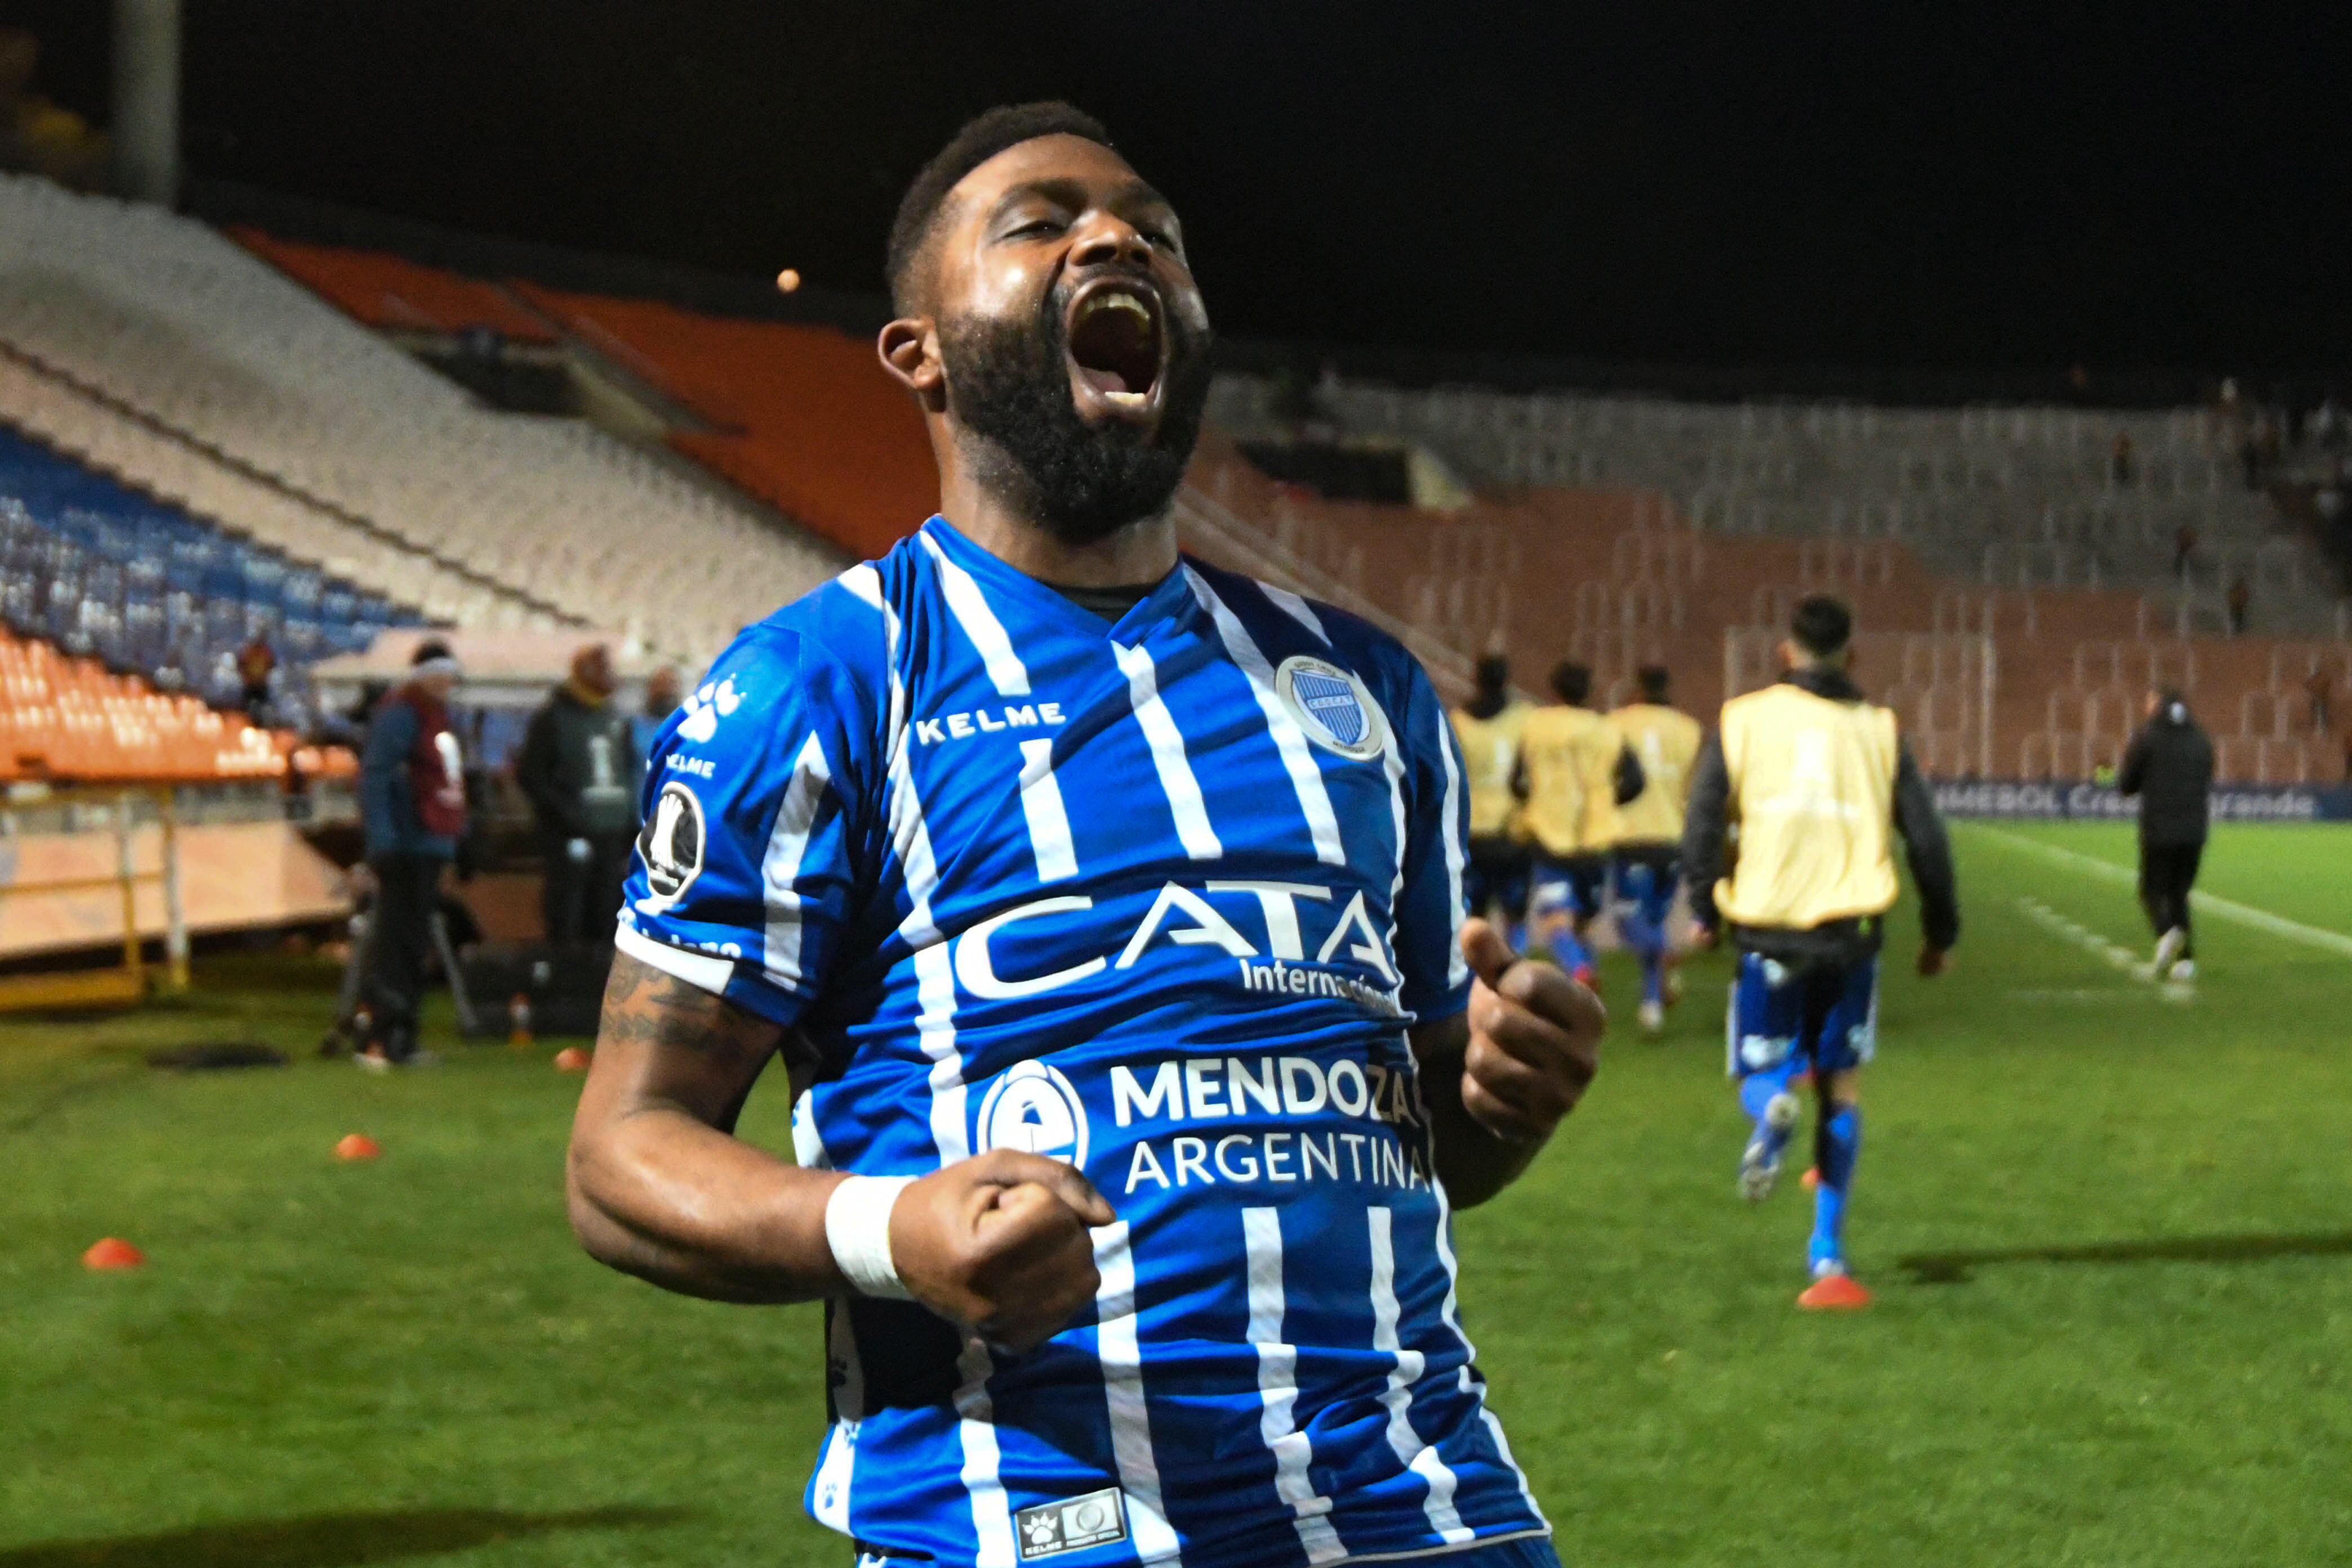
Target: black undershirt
<point>1110,603</point>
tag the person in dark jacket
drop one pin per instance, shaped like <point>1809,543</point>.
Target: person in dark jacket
<point>2169,766</point>
<point>413,807</point>
<point>578,767</point>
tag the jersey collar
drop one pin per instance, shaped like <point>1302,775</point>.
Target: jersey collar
<point>1169,597</point>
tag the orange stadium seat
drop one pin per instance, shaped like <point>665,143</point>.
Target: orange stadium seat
<point>391,292</point>
<point>67,720</point>
<point>802,417</point>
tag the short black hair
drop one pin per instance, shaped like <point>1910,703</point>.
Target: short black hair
<point>1007,125</point>
<point>1493,672</point>
<point>1822,626</point>
<point>1653,681</point>
<point>431,648</point>
<point>1571,681</point>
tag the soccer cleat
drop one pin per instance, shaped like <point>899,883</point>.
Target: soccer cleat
<point>1652,1016</point>
<point>1584,975</point>
<point>2184,971</point>
<point>1673,984</point>
<point>1812,1179</point>
<point>1759,1162</point>
<point>1833,1290</point>
<point>2168,948</point>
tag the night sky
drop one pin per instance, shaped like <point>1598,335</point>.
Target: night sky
<point>1709,183</point>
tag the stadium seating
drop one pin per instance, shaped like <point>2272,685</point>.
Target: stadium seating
<point>1996,538</point>
<point>69,720</point>
<point>144,586</point>
<point>167,324</point>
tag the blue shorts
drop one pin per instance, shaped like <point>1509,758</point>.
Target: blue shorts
<point>1825,1017</point>
<point>1495,873</point>
<point>1646,881</point>
<point>1525,1551</point>
<point>1568,883</point>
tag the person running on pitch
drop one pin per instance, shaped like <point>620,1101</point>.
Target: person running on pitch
<point>1817,782</point>
<point>1645,861</point>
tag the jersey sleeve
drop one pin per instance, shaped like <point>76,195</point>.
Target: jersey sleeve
<point>1430,907</point>
<point>757,824</point>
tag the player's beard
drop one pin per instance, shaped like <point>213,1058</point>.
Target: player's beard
<point>1009,381</point>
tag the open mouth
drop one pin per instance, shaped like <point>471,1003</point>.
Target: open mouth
<point>1117,346</point>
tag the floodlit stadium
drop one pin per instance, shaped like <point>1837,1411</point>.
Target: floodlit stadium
<point>1086,1052</point>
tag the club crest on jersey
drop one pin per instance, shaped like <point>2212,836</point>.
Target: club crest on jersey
<point>1330,705</point>
<point>1033,1108</point>
<point>671,847</point>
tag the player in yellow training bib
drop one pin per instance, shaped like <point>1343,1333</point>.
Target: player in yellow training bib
<point>1646,863</point>
<point>1819,783</point>
<point>1575,771</point>
<point>1487,727</point>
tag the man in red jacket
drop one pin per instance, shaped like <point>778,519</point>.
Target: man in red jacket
<point>412,804</point>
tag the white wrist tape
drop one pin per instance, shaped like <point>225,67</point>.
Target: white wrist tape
<point>857,1229</point>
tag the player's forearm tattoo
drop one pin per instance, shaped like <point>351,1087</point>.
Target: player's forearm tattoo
<point>645,1007</point>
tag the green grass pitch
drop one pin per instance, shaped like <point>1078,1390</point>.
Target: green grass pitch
<point>2110,1232</point>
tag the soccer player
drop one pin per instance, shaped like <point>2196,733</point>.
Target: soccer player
<point>1107,911</point>
<point>2169,765</point>
<point>1817,782</point>
<point>1575,771</point>
<point>1489,727</point>
<point>1645,862</point>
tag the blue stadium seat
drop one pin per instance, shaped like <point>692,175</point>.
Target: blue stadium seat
<point>105,571</point>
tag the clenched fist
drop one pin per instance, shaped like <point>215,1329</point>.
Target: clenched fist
<point>1000,1245</point>
<point>1535,1040</point>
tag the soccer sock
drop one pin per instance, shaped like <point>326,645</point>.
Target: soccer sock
<point>1647,943</point>
<point>1568,949</point>
<point>1839,1145</point>
<point>1757,1092</point>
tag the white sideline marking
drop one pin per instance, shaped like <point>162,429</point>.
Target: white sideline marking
<point>2206,903</point>
<point>2092,943</point>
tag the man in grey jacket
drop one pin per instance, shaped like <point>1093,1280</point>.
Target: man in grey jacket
<point>579,768</point>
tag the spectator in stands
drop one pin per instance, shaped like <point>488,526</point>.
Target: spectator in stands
<point>2184,545</point>
<point>662,695</point>
<point>578,769</point>
<point>2241,599</point>
<point>412,804</point>
<point>2119,466</point>
<point>2319,686</point>
<point>256,661</point>
<point>2169,766</point>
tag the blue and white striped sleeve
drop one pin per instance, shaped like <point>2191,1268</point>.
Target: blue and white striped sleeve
<point>1429,905</point>
<point>746,869</point>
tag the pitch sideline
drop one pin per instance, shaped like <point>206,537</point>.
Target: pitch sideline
<point>2206,903</point>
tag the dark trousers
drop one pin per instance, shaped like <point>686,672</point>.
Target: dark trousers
<point>2167,872</point>
<point>399,933</point>
<point>579,899</point>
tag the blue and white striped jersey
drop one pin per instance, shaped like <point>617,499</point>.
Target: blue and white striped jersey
<point>1159,897</point>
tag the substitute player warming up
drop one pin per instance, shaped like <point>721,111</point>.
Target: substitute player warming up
<point>1645,862</point>
<point>1817,782</point>
<point>1107,910</point>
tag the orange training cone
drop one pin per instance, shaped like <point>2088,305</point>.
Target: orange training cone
<point>357,1146</point>
<point>112,1253</point>
<point>571,1059</point>
<point>1834,1293</point>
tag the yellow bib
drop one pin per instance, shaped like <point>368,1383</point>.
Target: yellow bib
<point>1812,789</point>
<point>1570,758</point>
<point>1665,742</point>
<point>1490,749</point>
